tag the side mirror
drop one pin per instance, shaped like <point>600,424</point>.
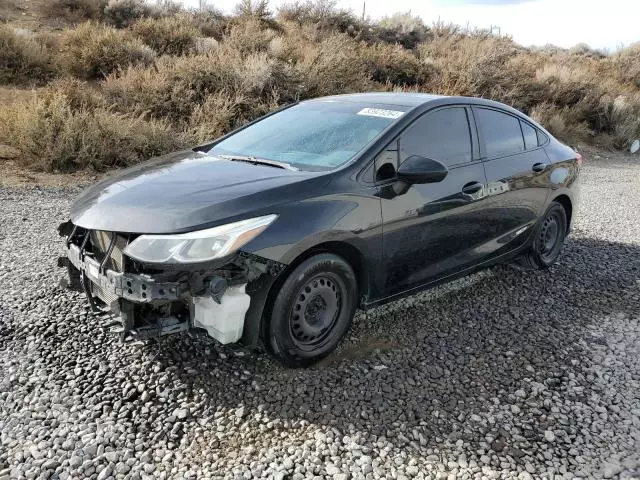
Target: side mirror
<point>417,169</point>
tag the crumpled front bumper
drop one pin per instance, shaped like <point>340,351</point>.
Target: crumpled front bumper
<point>133,287</point>
<point>226,298</point>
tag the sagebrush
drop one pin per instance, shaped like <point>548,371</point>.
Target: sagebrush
<point>156,77</point>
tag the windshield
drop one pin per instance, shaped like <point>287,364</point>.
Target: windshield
<point>311,136</point>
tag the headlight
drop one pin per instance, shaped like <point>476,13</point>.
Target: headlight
<point>199,246</point>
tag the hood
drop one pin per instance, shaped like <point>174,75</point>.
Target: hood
<point>184,191</point>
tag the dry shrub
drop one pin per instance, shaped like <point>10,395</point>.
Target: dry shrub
<point>172,35</point>
<point>281,49</point>
<point>210,22</point>
<point>323,14</point>
<point>395,65</point>
<point>225,111</point>
<point>482,65</point>
<point>79,95</point>
<point>585,50</point>
<point>620,117</point>
<point>249,36</point>
<point>123,13</point>
<point>215,72</point>
<point>53,136</point>
<point>256,74</point>
<point>173,87</point>
<point>76,10</point>
<point>205,45</point>
<point>257,9</point>
<point>23,58</point>
<point>176,86</point>
<point>94,51</point>
<point>307,11</point>
<point>565,85</point>
<point>625,65</point>
<point>561,123</point>
<point>216,116</point>
<point>405,29</point>
<point>468,65</point>
<point>167,8</point>
<point>333,66</point>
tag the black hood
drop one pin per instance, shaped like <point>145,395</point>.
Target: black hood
<point>184,191</point>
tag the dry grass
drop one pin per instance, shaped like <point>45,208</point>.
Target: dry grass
<point>169,77</point>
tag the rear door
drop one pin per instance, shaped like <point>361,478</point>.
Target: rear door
<point>517,173</point>
<point>432,230</point>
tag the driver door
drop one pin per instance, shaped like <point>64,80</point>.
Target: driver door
<point>433,230</point>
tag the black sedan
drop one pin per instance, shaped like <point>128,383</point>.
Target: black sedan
<point>276,233</point>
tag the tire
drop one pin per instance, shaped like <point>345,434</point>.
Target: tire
<point>549,238</point>
<point>312,310</point>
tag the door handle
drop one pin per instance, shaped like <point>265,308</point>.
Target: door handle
<point>472,187</point>
<point>539,167</point>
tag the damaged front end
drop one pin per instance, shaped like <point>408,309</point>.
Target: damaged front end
<point>225,297</point>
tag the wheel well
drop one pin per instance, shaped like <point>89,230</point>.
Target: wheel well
<point>565,201</point>
<point>348,252</point>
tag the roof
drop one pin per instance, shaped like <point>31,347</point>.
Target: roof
<point>412,100</point>
<point>385,98</point>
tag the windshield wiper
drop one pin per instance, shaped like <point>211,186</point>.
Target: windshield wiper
<point>258,161</point>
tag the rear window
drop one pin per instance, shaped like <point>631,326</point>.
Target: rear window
<point>542,137</point>
<point>501,132</point>
<point>530,136</point>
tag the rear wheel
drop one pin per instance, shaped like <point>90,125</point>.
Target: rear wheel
<point>550,235</point>
<point>312,310</point>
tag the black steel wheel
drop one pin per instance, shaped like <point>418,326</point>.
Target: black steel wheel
<point>550,235</point>
<point>315,310</point>
<point>312,310</point>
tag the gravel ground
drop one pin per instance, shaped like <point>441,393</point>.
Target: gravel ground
<point>505,374</point>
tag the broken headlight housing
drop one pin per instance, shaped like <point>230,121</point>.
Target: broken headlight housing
<point>198,246</point>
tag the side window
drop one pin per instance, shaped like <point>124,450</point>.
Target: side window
<point>530,135</point>
<point>501,132</point>
<point>386,162</point>
<point>442,135</point>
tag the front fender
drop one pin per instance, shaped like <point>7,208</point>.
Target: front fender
<point>352,219</point>
<point>349,219</point>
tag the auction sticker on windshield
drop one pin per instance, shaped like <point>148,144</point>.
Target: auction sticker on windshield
<point>380,112</point>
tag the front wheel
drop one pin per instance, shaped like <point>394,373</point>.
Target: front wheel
<point>312,310</point>
<point>549,238</point>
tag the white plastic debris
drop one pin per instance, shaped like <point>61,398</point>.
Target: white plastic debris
<point>635,146</point>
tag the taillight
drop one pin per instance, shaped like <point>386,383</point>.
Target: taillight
<point>579,159</point>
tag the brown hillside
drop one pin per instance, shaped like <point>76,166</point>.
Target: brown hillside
<point>99,84</point>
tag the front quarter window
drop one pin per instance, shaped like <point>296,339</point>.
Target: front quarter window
<point>319,135</point>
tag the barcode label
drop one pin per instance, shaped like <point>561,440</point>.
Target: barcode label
<point>380,112</point>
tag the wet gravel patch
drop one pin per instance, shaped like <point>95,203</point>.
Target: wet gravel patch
<point>504,374</point>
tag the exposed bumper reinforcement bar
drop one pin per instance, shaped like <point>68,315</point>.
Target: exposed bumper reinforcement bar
<point>137,288</point>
